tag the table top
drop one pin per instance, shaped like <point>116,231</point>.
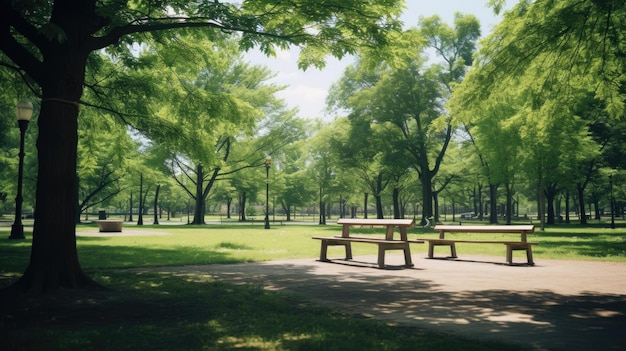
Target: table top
<point>376,222</point>
<point>486,228</point>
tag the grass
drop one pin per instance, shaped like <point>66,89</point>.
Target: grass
<point>160,311</point>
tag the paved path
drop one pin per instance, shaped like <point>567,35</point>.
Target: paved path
<point>555,305</point>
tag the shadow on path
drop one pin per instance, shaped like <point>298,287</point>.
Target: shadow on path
<point>538,307</point>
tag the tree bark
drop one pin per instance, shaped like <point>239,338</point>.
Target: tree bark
<point>493,205</point>
<point>156,204</point>
<point>141,198</point>
<point>198,212</point>
<point>396,203</point>
<point>581,203</point>
<point>365,198</point>
<point>54,258</point>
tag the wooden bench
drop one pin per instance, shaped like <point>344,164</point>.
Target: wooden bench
<point>388,243</point>
<point>511,245</point>
<point>110,225</point>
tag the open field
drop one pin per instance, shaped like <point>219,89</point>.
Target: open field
<point>141,309</point>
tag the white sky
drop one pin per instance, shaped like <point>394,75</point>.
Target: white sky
<point>307,90</point>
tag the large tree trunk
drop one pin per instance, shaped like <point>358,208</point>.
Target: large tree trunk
<point>427,195</point>
<point>54,259</point>
<point>198,213</point>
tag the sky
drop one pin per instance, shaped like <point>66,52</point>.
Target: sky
<point>307,90</point>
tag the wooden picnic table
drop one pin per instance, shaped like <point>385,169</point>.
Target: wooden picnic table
<point>511,245</point>
<point>384,244</point>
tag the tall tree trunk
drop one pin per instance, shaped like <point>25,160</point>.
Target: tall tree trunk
<point>493,205</point>
<point>427,195</point>
<point>509,203</point>
<point>481,208</point>
<point>156,204</point>
<point>550,193</point>
<point>54,258</point>
<point>242,207</point>
<point>141,199</point>
<point>581,203</point>
<point>198,213</point>
<point>379,207</point>
<point>229,202</point>
<point>436,206</point>
<point>567,209</point>
<point>288,213</point>
<point>322,220</point>
<point>396,203</point>
<point>365,197</point>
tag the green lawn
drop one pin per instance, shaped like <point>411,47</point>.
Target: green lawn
<point>171,312</point>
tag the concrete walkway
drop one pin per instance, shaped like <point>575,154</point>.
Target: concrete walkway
<point>555,305</point>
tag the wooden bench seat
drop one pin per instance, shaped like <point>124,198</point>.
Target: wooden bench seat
<point>521,245</point>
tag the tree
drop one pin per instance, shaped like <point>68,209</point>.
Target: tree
<point>104,150</point>
<point>551,55</point>
<point>51,43</point>
<point>406,97</point>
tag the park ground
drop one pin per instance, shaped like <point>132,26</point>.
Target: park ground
<point>477,300</point>
<point>555,305</point>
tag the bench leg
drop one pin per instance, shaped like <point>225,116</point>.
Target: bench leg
<point>382,248</point>
<point>348,251</point>
<point>381,256</point>
<point>408,262</point>
<point>431,249</point>
<point>529,256</point>
<point>509,254</point>
<point>324,249</point>
<point>527,248</point>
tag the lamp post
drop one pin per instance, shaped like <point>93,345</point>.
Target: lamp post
<point>267,162</point>
<point>612,203</point>
<point>23,112</point>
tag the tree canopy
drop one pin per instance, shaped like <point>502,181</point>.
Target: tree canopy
<point>53,44</point>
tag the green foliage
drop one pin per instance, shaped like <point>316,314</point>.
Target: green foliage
<point>576,44</point>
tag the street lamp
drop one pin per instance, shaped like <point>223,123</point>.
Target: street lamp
<point>23,112</point>
<point>267,162</point>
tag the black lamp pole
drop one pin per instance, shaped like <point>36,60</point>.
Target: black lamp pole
<point>23,112</point>
<point>267,192</point>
